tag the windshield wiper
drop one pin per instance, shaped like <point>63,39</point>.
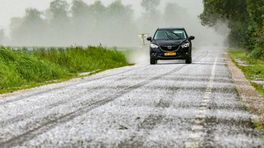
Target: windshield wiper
<point>169,37</point>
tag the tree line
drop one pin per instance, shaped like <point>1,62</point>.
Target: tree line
<point>64,24</point>
<point>82,24</point>
<point>245,19</point>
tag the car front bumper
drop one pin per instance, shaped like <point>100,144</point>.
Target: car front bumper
<point>159,54</point>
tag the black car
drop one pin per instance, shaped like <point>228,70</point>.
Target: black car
<point>170,44</point>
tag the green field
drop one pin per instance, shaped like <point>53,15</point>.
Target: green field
<point>252,68</point>
<point>23,68</point>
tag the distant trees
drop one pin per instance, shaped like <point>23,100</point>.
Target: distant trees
<point>29,29</point>
<point>151,16</point>
<point>121,23</point>
<point>175,15</point>
<point>246,20</point>
<point>65,24</point>
<point>79,23</point>
<point>58,21</point>
<point>2,36</point>
<point>150,5</point>
<point>82,19</point>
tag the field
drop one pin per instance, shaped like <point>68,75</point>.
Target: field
<point>24,68</point>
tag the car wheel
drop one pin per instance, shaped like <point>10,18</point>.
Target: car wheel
<point>189,59</point>
<point>153,61</point>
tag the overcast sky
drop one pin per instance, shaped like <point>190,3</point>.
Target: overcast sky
<point>16,8</point>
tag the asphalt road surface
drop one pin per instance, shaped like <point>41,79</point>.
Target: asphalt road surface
<point>166,105</point>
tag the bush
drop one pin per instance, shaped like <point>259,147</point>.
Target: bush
<point>257,53</point>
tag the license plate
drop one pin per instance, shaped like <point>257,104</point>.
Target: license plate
<point>170,54</point>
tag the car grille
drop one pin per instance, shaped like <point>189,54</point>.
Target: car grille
<point>166,48</point>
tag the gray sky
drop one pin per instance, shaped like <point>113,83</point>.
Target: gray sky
<point>16,8</point>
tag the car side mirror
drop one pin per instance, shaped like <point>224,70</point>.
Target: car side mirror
<point>149,39</point>
<point>191,38</point>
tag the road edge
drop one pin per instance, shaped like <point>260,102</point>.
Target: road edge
<point>57,83</point>
<point>247,93</point>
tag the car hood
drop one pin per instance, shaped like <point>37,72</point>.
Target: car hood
<point>168,42</point>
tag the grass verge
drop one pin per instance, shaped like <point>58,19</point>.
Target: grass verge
<point>252,68</point>
<point>23,68</point>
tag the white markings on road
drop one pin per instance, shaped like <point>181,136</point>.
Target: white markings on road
<point>198,129</point>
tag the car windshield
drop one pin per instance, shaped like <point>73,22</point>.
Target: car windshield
<point>170,35</point>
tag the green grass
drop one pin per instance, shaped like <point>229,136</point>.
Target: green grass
<point>254,70</point>
<point>24,68</point>
<point>259,88</point>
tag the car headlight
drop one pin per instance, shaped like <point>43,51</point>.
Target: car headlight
<point>154,46</point>
<point>185,45</point>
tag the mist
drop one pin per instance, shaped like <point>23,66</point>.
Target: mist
<point>77,23</point>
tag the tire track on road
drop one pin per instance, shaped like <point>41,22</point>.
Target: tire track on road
<point>30,114</point>
<point>150,122</point>
<point>47,124</point>
<point>49,106</point>
<point>52,121</point>
<point>197,137</point>
<point>18,98</point>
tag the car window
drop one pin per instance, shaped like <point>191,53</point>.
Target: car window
<point>170,35</point>
<point>181,34</point>
<point>160,35</point>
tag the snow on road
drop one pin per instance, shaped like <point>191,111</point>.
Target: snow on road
<point>166,105</point>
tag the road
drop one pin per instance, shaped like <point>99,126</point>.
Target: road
<point>166,105</point>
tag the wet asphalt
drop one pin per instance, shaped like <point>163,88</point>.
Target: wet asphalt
<point>170,104</point>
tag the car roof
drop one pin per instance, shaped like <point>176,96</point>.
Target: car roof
<point>171,28</point>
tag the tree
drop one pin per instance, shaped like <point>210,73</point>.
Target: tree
<point>150,5</point>
<point>59,23</point>
<point>151,17</point>
<point>28,30</point>
<point>2,36</point>
<point>59,10</point>
<point>255,11</point>
<point>120,19</point>
<point>234,11</point>
<point>173,15</point>
<point>245,19</point>
<point>79,8</point>
<point>81,21</point>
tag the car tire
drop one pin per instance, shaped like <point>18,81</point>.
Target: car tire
<point>153,61</point>
<point>189,59</point>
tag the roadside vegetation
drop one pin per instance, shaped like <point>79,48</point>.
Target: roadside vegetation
<point>252,68</point>
<point>23,68</point>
